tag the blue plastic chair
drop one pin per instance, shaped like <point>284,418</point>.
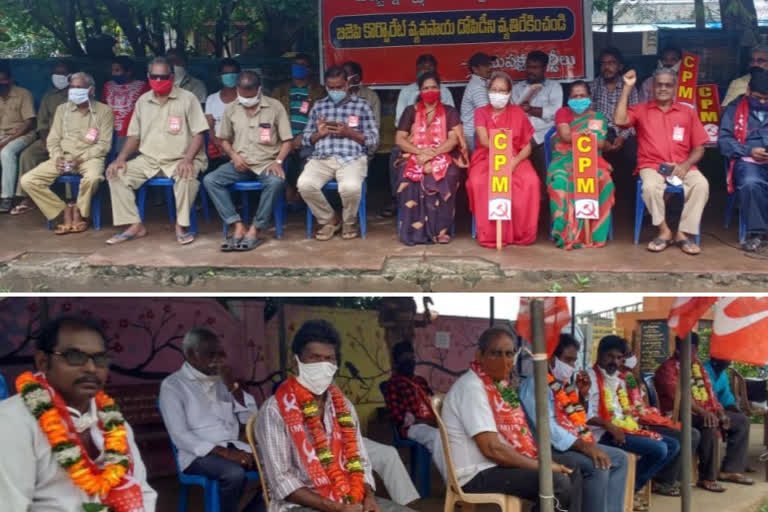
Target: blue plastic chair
<point>421,458</point>
<point>729,205</point>
<point>74,181</point>
<point>280,209</point>
<point>361,211</point>
<point>167,184</point>
<point>653,397</point>
<point>640,208</point>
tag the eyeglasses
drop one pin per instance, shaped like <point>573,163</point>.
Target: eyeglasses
<point>665,85</point>
<point>75,357</point>
<point>159,77</point>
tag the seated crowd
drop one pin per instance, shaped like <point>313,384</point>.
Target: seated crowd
<point>66,446</point>
<point>310,134</point>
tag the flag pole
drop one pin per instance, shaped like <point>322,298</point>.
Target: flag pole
<point>546,489</point>
<point>685,418</point>
<point>492,318</point>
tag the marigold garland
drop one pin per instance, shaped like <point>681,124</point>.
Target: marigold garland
<point>568,399</point>
<point>606,409</point>
<point>350,484</point>
<point>646,414</point>
<point>56,423</point>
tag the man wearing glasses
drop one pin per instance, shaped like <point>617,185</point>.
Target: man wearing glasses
<point>36,469</point>
<point>738,86</point>
<point>670,142</point>
<point>167,130</point>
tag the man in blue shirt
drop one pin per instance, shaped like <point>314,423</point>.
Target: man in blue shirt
<point>721,385</point>
<point>3,388</point>
<point>603,468</point>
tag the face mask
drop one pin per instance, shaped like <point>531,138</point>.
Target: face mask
<point>60,81</point>
<point>249,102</point>
<point>161,87</point>
<point>299,71</point>
<point>118,79</point>
<point>579,105</point>
<point>756,105</point>
<point>562,371</point>
<point>430,97</point>
<point>498,99</point>
<point>229,79</point>
<point>631,361</point>
<point>180,73</point>
<point>79,96</point>
<point>498,368</point>
<point>316,377</point>
<point>337,96</point>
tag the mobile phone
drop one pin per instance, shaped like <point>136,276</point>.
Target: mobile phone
<point>666,169</point>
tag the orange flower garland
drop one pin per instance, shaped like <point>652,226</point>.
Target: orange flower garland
<point>567,398</point>
<point>56,423</point>
<point>350,484</point>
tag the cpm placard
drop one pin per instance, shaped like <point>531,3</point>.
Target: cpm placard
<point>387,36</point>
<point>500,176</point>
<point>687,78</point>
<point>586,194</point>
<point>708,100</point>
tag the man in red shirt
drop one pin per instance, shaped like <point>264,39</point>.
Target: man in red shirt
<point>671,142</point>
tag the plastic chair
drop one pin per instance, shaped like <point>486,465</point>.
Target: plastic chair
<point>280,209</point>
<point>254,448</point>
<point>453,492</point>
<point>170,201</point>
<point>421,458</point>
<point>210,487</point>
<point>640,208</point>
<point>729,205</point>
<point>73,180</point>
<point>361,211</point>
<point>653,396</point>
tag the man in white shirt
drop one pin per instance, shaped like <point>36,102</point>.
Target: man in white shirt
<point>215,105</point>
<point>71,356</point>
<point>539,98</point>
<point>204,410</point>
<point>476,94</point>
<point>484,459</point>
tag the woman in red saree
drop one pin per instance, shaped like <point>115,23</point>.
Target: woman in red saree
<point>429,176</point>
<point>525,187</point>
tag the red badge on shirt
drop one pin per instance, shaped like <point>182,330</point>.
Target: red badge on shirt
<point>265,134</point>
<point>678,134</point>
<point>92,135</point>
<point>304,108</point>
<point>353,121</point>
<point>174,124</point>
<point>595,125</point>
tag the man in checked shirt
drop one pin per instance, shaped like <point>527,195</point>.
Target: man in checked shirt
<point>407,396</point>
<point>341,132</point>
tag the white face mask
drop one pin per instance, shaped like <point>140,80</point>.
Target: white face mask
<point>79,96</point>
<point>179,74</point>
<point>60,81</point>
<point>631,361</point>
<point>249,102</point>
<point>316,377</point>
<point>498,99</point>
<point>562,371</point>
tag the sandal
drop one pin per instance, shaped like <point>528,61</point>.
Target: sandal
<point>443,239</point>
<point>666,489</point>
<point>248,244</point>
<point>751,245</point>
<point>79,227</point>
<point>229,244</point>
<point>327,232</point>
<point>63,229</point>
<point>22,208</point>
<point>689,247</point>
<point>710,486</point>
<point>185,239</point>
<point>736,478</point>
<point>349,231</point>
<point>659,244</point>
<point>124,237</point>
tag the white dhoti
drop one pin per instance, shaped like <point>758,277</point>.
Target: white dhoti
<point>430,438</point>
<point>386,461</point>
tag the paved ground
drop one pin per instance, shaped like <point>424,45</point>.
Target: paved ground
<point>37,260</point>
<point>737,498</point>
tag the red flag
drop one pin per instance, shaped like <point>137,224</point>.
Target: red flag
<point>686,311</point>
<point>740,330</point>
<point>556,316</point>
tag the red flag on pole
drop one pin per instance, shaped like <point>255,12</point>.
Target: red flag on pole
<point>686,311</point>
<point>740,330</point>
<point>556,316</point>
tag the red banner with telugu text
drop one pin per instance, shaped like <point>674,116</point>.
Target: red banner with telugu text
<point>387,36</point>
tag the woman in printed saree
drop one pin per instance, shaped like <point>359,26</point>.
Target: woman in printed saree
<point>569,232</point>
<point>429,176</point>
<point>525,185</point>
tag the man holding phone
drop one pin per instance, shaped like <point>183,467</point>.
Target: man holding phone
<point>743,139</point>
<point>671,142</point>
<point>341,131</point>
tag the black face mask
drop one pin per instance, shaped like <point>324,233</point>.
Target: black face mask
<point>754,69</point>
<point>406,367</point>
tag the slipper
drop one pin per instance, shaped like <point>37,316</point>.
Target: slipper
<point>659,244</point>
<point>229,244</point>
<point>21,208</point>
<point>710,486</point>
<point>123,237</point>
<point>443,239</point>
<point>349,231</point>
<point>79,227</point>
<point>185,239</point>
<point>666,489</point>
<point>248,244</point>
<point>327,232</point>
<point>687,243</point>
<point>63,229</point>
<point>736,479</point>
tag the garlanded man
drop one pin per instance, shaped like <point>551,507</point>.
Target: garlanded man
<point>309,435</point>
<point>491,444</point>
<point>66,447</point>
<point>603,468</point>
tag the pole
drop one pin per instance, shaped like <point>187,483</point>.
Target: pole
<point>573,316</point>
<point>281,336</point>
<point>546,489</point>
<point>685,418</point>
<point>492,318</point>
<point>498,235</point>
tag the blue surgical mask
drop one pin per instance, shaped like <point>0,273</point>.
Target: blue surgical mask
<point>118,79</point>
<point>299,71</point>
<point>229,79</point>
<point>579,105</point>
<point>337,96</point>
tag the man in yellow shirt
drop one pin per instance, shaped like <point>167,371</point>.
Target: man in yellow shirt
<point>738,86</point>
<point>17,121</point>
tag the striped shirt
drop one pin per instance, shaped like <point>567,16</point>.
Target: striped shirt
<point>475,96</point>
<point>604,101</point>
<point>298,97</point>
<point>355,113</point>
<point>284,468</point>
